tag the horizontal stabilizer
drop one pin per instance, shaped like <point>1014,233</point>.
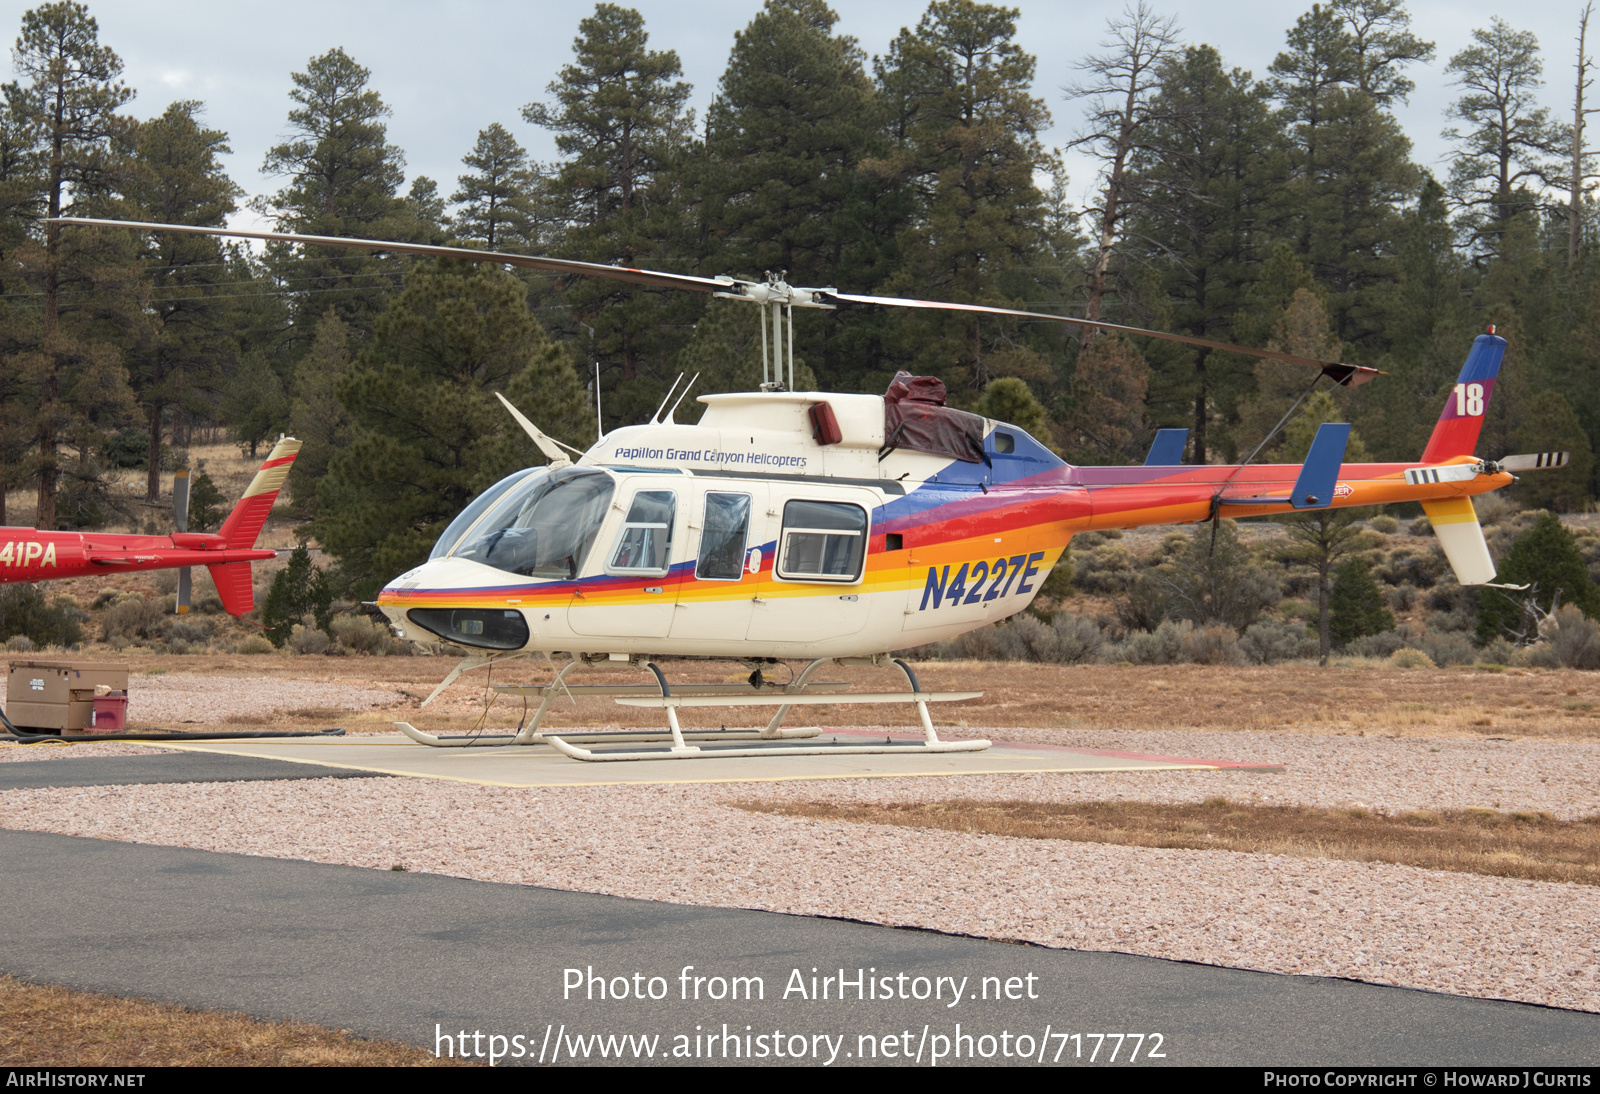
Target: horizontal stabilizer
<point>1536,461</point>
<point>1167,449</point>
<point>1455,472</point>
<point>1320,473</point>
<point>1455,522</point>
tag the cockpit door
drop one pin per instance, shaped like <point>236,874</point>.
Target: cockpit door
<point>630,588</point>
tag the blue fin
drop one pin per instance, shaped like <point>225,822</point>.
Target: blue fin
<point>1320,473</point>
<point>1167,449</point>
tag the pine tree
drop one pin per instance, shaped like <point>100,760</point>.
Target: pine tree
<point>254,403</point>
<point>343,180</point>
<point>1546,559</point>
<point>794,177</point>
<point>958,92</point>
<point>178,180</point>
<point>1356,607</point>
<point>1348,165</point>
<point>1202,180</point>
<point>1010,400</point>
<point>1125,111</point>
<point>71,101</point>
<point>1503,156</point>
<point>496,203</point>
<point>298,590</point>
<point>316,415</point>
<point>1106,423</point>
<point>620,123</point>
<point>428,433</point>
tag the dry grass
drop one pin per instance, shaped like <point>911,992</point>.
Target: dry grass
<point>1532,846</point>
<point>45,1026</point>
<point>1370,699</point>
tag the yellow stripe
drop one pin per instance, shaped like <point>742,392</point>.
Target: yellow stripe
<point>1451,511</point>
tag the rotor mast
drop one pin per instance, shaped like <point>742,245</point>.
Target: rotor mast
<point>777,300</point>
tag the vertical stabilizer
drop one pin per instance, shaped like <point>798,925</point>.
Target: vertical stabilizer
<point>244,523</point>
<point>1462,420</point>
<point>1455,522</point>
<point>234,586</point>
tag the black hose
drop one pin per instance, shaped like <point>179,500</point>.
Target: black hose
<point>163,735</point>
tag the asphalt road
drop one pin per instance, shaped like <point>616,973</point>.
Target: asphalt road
<point>161,767</point>
<point>414,957</point>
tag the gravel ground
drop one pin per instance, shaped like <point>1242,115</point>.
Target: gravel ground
<point>11,753</point>
<point>1390,774</point>
<point>178,698</point>
<point>1459,933</point>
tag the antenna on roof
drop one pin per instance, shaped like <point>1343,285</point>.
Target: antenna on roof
<point>655,419</point>
<point>681,398</point>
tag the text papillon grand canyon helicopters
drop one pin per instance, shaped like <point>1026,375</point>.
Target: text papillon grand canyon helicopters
<point>835,527</point>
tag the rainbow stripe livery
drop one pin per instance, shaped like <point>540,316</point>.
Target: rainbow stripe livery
<point>856,546</point>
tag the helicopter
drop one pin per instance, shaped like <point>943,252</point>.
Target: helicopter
<point>28,554</point>
<point>834,527</point>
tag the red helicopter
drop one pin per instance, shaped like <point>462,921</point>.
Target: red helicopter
<point>28,554</point>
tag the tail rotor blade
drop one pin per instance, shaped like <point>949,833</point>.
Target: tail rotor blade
<point>1534,461</point>
<point>185,576</point>
<point>180,499</point>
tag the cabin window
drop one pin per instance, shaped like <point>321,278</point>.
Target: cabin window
<point>722,539</point>
<point>644,546</point>
<point>822,541</point>
<point>1004,443</point>
<point>476,508</point>
<point>545,526</point>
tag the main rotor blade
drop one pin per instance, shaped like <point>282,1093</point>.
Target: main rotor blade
<point>530,262</point>
<point>1348,375</point>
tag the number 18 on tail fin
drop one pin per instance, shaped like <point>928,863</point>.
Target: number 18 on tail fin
<point>1462,420</point>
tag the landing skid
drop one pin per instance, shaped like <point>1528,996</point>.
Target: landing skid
<point>802,692</point>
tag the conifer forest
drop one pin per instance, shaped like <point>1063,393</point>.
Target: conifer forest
<point>1281,208</point>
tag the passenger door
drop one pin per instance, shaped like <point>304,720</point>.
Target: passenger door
<point>717,594</point>
<point>811,586</point>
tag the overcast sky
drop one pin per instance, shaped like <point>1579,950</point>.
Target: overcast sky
<point>448,70</point>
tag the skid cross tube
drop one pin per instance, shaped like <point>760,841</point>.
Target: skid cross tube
<point>803,691</point>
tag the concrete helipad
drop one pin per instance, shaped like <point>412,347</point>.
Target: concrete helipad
<point>540,765</point>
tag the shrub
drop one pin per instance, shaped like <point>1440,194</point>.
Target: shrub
<point>1065,640</point>
<point>1407,565</point>
<point>1494,508</point>
<point>1546,558</point>
<point>24,611</point>
<point>1498,652</point>
<point>1106,570</point>
<point>360,634</point>
<point>1163,646</point>
<point>1411,659</point>
<point>1403,597</point>
<point>1269,642</point>
<point>1449,648</point>
<point>1215,644</point>
<point>133,619</point>
<point>1377,645</point>
<point>19,643</point>
<point>257,643</point>
<point>304,639</point>
<point>1577,644</point>
<point>1385,524</point>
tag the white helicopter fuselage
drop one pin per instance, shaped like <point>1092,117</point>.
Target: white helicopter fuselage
<point>746,537</point>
